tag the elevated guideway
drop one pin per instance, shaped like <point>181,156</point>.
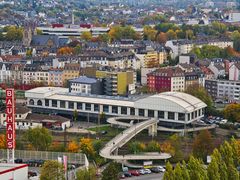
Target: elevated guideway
<point>110,150</point>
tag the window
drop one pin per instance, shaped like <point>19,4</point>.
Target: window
<point>46,102</point>
<point>171,115</point>
<point>39,103</point>
<point>132,111</point>
<point>31,102</point>
<point>181,116</point>
<point>150,113</point>
<point>4,115</point>
<point>79,105</point>
<point>115,109</point>
<point>96,107</point>
<point>196,113</point>
<point>88,107</point>
<point>54,103</point>
<point>189,117</point>
<point>30,124</point>
<point>70,105</point>
<point>20,115</point>
<point>105,108</point>
<point>62,104</point>
<point>161,114</point>
<point>141,112</point>
<point>123,110</point>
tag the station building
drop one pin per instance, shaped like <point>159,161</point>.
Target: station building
<point>168,107</point>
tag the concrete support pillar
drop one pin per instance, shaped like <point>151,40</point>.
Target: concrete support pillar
<point>75,106</point>
<point>100,108</point>
<point>58,104</point>
<point>152,130</point>
<point>165,115</point>
<point>128,111</point>
<point>136,112</point>
<point>110,109</point>
<point>66,104</point>
<point>145,113</point>
<point>156,114</point>
<point>84,106</point>
<point>50,103</point>
<point>176,116</point>
<point>119,110</point>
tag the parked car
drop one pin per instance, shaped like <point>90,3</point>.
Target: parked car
<point>103,132</point>
<point>147,171</point>
<point>134,173</point>
<point>121,176</point>
<point>18,161</point>
<point>161,169</point>
<point>224,121</point>
<point>127,174</point>
<point>32,173</point>
<point>141,171</point>
<point>155,170</point>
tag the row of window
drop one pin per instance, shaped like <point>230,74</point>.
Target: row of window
<point>116,110</point>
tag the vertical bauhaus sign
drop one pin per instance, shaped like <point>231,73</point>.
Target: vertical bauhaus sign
<point>10,118</point>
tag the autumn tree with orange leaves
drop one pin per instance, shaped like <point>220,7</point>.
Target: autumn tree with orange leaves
<point>65,51</point>
<point>167,147</point>
<point>73,147</point>
<point>86,147</point>
<point>3,141</point>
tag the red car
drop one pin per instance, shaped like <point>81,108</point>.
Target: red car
<point>134,173</point>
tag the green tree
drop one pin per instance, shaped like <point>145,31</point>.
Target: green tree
<point>78,49</point>
<point>149,33</point>
<point>111,172</point>
<point>52,170</point>
<point>39,138</point>
<point>169,174</point>
<point>153,146</point>
<point>213,170</point>
<point>220,28</point>
<point>86,36</point>
<point>75,115</point>
<point>176,143</point>
<point>232,112</point>
<point>196,169</point>
<point>221,164</point>
<point>136,147</point>
<point>203,145</point>
<point>178,174</point>
<point>185,173</point>
<point>202,94</point>
<point>87,174</point>
<point>14,33</point>
<point>104,38</point>
<point>171,34</point>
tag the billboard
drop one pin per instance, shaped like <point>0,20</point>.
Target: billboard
<point>10,118</point>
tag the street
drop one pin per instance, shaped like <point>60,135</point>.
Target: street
<point>158,176</point>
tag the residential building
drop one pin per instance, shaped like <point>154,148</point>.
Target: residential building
<point>151,59</point>
<point>86,85</point>
<point>166,79</point>
<point>56,78</point>
<point>225,90</point>
<point>144,72</point>
<point>184,46</point>
<point>217,69</point>
<point>5,72</point>
<point>234,72</point>
<point>71,71</point>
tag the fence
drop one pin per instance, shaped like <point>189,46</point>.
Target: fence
<point>74,158</point>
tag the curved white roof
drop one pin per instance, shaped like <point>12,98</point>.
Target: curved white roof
<point>171,101</point>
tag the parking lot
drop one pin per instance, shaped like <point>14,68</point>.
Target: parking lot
<point>158,176</point>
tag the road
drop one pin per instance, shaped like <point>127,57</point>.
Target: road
<point>149,177</point>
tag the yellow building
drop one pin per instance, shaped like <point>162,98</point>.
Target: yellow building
<point>118,82</point>
<point>71,71</point>
<point>154,58</point>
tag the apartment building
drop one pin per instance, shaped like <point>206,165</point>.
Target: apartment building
<point>166,79</point>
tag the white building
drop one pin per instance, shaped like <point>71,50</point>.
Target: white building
<point>169,107</point>
<point>5,72</point>
<point>184,46</point>
<point>35,77</point>
<point>234,72</point>
<point>233,17</point>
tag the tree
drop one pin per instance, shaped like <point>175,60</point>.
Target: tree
<point>115,33</point>
<point>57,147</point>
<point>202,94</point>
<point>104,38</point>
<point>13,33</point>
<point>136,147</point>
<point>78,49</point>
<point>52,170</point>
<point>189,34</point>
<point>86,174</point>
<point>175,141</point>
<point>162,37</point>
<point>75,115</point>
<point>196,169</point>
<point>111,172</point>
<point>167,148</point>
<point>178,172</point>
<point>65,51</point>
<point>86,147</point>
<point>149,33</point>
<point>220,28</point>
<point>213,170</point>
<point>169,174</point>
<point>3,144</point>
<point>232,112</point>
<point>86,36</point>
<point>39,138</point>
<point>73,147</point>
<point>203,145</point>
<point>153,146</point>
<point>171,34</point>
<point>185,172</point>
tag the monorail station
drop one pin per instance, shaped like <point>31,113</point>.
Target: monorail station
<point>168,107</point>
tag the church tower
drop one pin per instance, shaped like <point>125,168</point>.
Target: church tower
<point>28,32</point>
